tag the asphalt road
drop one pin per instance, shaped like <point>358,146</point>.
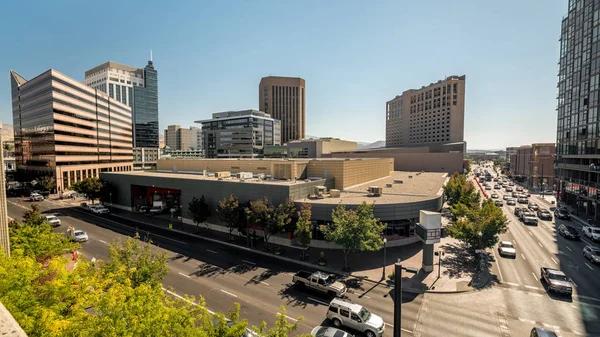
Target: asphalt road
<point>542,246</point>
<point>223,276</point>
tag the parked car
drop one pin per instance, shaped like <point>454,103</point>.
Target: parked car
<point>319,281</point>
<point>506,248</point>
<point>591,232</point>
<point>53,220</point>
<point>99,209</point>
<point>511,202</point>
<point>143,209</point>
<point>568,232</point>
<point>592,253</point>
<point>156,210</point>
<point>562,214</point>
<point>355,316</point>
<point>556,280</point>
<point>36,197</point>
<point>544,214</point>
<point>327,331</point>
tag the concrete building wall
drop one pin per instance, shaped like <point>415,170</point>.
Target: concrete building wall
<point>413,161</point>
<point>350,172</point>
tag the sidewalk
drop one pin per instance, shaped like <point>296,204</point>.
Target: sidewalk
<point>456,272</point>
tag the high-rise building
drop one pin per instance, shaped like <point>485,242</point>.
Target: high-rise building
<point>434,114</point>
<point>578,109</point>
<point>239,134</point>
<point>533,165</point>
<point>4,237</point>
<point>135,87</point>
<point>195,138</point>
<point>68,130</point>
<point>284,99</point>
<point>510,151</point>
<point>178,138</point>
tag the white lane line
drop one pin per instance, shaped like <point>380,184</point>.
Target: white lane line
<point>318,301</point>
<point>512,284</point>
<point>248,262</point>
<point>569,248</point>
<point>589,298</point>
<point>523,256</point>
<point>553,260</point>
<point>550,326</point>
<point>586,241</point>
<point>182,274</point>
<point>211,251</point>
<point>291,318</point>
<point>405,330</point>
<point>228,293</point>
<point>589,266</point>
<point>499,271</point>
<point>265,283</point>
<point>183,298</point>
<point>535,277</point>
<point>366,296</point>
<point>527,320</point>
<point>515,242</point>
<point>532,287</point>
<point>530,233</point>
<point>104,242</point>
<point>540,245</point>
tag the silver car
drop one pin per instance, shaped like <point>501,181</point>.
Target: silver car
<point>592,253</point>
<point>327,331</point>
<point>506,248</point>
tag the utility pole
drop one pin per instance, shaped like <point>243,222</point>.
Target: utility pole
<point>398,295</point>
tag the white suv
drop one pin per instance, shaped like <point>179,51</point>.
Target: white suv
<point>355,316</point>
<point>592,232</point>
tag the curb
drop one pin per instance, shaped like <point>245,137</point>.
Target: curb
<point>420,291</point>
<point>246,249</point>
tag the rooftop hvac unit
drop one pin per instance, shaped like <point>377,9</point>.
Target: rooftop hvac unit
<point>334,193</point>
<point>375,190</point>
<point>398,181</point>
<point>410,177</point>
<point>388,185</point>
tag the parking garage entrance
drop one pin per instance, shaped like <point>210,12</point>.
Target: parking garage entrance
<point>148,195</point>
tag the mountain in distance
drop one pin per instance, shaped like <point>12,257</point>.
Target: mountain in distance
<point>7,132</point>
<point>374,145</point>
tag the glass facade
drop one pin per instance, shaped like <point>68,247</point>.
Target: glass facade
<point>145,110</point>
<point>578,106</point>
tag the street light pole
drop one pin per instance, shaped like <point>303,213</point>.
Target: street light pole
<point>398,295</point>
<point>384,257</point>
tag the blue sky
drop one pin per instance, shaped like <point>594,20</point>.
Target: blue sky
<point>354,56</point>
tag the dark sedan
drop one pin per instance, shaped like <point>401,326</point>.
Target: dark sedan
<point>569,232</point>
<point>562,214</point>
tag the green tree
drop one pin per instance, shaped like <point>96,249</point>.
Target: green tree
<point>480,227</point>
<point>272,220</point>
<point>459,190</point>
<point>469,163</point>
<point>355,230</point>
<point>229,213</point>
<point>198,210</point>
<point>281,327</point>
<point>303,232</point>
<point>140,263</point>
<point>48,183</point>
<point>90,187</point>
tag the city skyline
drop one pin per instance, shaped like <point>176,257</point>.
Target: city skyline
<point>353,70</point>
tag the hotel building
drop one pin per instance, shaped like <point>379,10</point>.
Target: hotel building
<point>284,99</point>
<point>68,130</point>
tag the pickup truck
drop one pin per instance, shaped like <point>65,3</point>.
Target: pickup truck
<point>556,280</point>
<point>319,281</point>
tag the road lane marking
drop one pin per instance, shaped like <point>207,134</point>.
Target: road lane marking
<point>532,287</point>
<point>553,260</point>
<point>589,298</point>
<point>405,330</point>
<point>535,277</point>
<point>104,242</point>
<point>183,298</point>
<point>318,301</point>
<point>527,320</point>
<point>265,283</point>
<point>211,251</point>
<point>499,271</point>
<point>523,256</point>
<point>569,248</point>
<point>589,266</point>
<point>550,326</point>
<point>515,242</point>
<point>248,262</point>
<point>540,245</point>
<point>512,284</point>
<point>228,293</point>
<point>530,233</point>
<point>586,241</point>
<point>291,318</point>
<point>366,296</point>
<point>182,274</point>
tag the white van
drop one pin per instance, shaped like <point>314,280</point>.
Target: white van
<point>355,316</point>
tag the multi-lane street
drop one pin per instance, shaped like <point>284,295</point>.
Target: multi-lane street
<point>541,246</point>
<point>223,275</point>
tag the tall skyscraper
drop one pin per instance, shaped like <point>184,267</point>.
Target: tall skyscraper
<point>578,109</point>
<point>67,130</point>
<point>4,237</point>
<point>434,114</point>
<point>135,87</point>
<point>284,99</point>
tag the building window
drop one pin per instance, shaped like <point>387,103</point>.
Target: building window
<point>118,93</point>
<point>124,94</point>
<point>111,90</point>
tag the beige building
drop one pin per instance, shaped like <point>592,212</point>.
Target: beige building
<point>68,130</point>
<point>284,99</point>
<point>177,138</point>
<point>434,114</point>
<point>345,172</point>
<point>316,148</point>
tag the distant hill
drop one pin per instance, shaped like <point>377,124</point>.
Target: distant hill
<point>8,134</point>
<point>374,145</point>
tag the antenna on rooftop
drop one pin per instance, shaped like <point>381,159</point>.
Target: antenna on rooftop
<point>150,55</point>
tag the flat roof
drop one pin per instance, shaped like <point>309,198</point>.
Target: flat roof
<point>422,186</point>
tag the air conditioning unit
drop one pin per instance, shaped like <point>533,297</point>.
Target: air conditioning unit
<point>375,190</point>
<point>398,181</point>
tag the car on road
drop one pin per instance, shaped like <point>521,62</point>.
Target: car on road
<point>53,220</point>
<point>556,280</point>
<point>529,218</point>
<point>327,331</point>
<point>494,196</point>
<point>156,210</point>
<point>511,184</point>
<point>355,316</point>
<point>77,235</point>
<point>319,281</point>
<point>532,206</point>
<point>591,232</point>
<point>592,253</point>
<point>539,332</point>
<point>509,189</point>
<point>488,188</point>
<point>143,209</point>
<point>505,197</point>
<point>499,203</point>
<point>544,214</point>
<point>36,197</point>
<point>592,223</point>
<point>99,209</point>
<point>519,189</point>
<point>517,212</point>
<point>568,232</point>
<point>562,213</point>
<point>497,187</point>
<point>506,248</point>
<point>522,200</point>
<point>514,194</point>
<point>511,202</point>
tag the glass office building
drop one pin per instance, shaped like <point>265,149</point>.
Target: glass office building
<point>145,110</point>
